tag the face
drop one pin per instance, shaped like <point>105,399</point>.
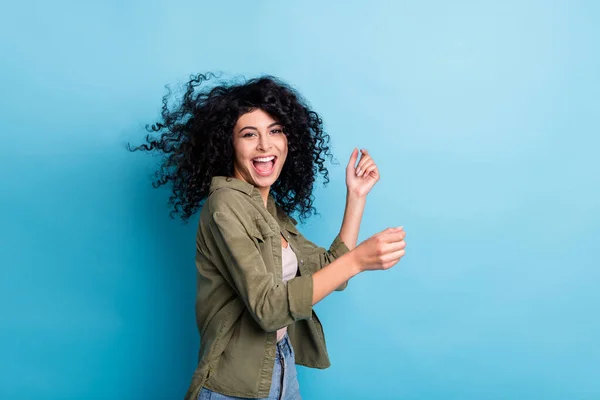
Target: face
<point>260,149</point>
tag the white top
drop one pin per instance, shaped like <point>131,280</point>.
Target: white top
<point>289,263</point>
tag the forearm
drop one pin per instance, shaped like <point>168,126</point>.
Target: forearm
<point>355,206</point>
<point>329,278</point>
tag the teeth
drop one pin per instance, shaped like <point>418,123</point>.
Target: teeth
<point>264,159</point>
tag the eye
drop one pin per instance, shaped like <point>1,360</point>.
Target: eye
<point>277,131</point>
<point>248,134</point>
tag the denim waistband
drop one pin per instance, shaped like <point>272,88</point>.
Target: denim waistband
<point>284,347</point>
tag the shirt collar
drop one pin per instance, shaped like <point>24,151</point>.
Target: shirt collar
<point>218,182</point>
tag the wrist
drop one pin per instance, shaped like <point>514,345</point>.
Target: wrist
<point>355,267</point>
<point>354,196</point>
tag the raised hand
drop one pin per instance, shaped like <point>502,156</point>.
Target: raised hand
<point>361,178</point>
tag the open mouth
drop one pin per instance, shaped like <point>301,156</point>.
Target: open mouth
<point>264,166</point>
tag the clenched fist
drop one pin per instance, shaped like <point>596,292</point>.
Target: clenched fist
<point>382,250</point>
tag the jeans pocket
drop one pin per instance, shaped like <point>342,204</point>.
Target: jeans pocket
<point>207,394</point>
<point>204,394</point>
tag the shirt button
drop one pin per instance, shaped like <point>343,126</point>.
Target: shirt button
<point>302,261</point>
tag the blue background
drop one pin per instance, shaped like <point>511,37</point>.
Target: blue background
<point>482,116</point>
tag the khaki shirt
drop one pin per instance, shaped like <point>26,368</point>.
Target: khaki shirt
<point>241,298</point>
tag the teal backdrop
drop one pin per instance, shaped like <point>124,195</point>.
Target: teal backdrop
<point>482,117</point>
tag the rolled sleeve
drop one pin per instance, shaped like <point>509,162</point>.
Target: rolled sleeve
<point>318,257</point>
<point>338,248</point>
<point>300,295</point>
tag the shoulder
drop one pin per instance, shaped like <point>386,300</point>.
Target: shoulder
<point>230,203</point>
<point>226,199</point>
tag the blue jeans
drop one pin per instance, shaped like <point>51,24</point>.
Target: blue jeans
<point>284,383</point>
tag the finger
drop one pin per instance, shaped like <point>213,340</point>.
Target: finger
<point>394,236</point>
<point>390,230</point>
<point>353,158</point>
<point>393,258</point>
<point>364,154</point>
<point>352,162</point>
<point>364,166</point>
<point>396,246</point>
<point>361,164</point>
<point>371,170</point>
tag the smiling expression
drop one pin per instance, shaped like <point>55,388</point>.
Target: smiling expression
<point>260,149</point>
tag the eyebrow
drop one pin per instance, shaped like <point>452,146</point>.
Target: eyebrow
<point>253,127</point>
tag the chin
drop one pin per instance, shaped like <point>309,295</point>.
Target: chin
<point>265,181</point>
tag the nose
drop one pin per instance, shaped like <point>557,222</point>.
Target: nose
<point>264,143</point>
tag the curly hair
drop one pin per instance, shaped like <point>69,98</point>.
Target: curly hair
<point>196,141</point>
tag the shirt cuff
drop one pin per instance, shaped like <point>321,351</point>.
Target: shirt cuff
<point>300,295</point>
<point>338,248</point>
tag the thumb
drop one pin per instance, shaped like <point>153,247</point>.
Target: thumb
<point>353,158</point>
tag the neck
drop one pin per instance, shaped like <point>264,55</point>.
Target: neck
<point>264,193</point>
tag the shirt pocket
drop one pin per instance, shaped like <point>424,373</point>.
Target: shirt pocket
<point>264,236</point>
<point>261,230</point>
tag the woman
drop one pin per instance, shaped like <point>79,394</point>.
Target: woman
<point>249,153</point>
